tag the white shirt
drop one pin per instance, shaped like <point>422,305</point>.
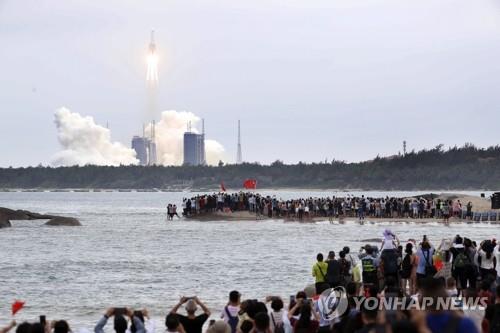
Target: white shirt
<point>280,317</point>
<point>388,243</point>
<point>233,311</point>
<point>485,262</point>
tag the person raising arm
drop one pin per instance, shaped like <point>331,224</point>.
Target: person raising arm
<point>7,328</point>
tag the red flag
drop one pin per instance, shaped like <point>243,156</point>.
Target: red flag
<point>438,264</point>
<point>222,187</point>
<point>250,184</point>
<point>16,306</point>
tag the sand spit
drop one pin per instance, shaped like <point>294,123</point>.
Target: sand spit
<point>479,204</point>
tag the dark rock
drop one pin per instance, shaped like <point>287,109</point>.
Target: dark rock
<point>371,240</point>
<point>11,214</point>
<point>63,221</point>
<point>7,215</point>
<point>36,216</point>
<point>4,223</point>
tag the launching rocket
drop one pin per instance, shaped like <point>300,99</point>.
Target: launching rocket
<point>152,45</point>
<point>152,62</point>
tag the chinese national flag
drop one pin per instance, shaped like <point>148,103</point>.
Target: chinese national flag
<point>222,187</point>
<point>250,184</point>
<point>16,306</point>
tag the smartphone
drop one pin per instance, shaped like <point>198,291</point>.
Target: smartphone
<point>292,299</point>
<point>120,312</point>
<point>43,320</point>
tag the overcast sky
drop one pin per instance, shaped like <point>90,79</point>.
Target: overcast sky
<point>309,79</point>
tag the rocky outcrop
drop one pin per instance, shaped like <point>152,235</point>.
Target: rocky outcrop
<point>4,223</point>
<point>7,215</point>
<point>63,221</point>
<point>371,240</point>
<point>12,214</point>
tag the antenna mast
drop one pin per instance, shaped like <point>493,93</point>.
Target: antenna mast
<point>153,132</point>
<point>238,155</point>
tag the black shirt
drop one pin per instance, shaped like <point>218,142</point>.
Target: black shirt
<point>490,311</point>
<point>193,325</point>
<point>333,271</point>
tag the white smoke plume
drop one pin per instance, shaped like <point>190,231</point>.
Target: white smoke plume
<point>170,136</point>
<point>85,142</point>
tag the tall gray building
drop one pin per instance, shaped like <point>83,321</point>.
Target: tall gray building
<point>152,145</point>
<point>152,159</point>
<point>141,147</point>
<point>145,148</point>
<point>194,148</point>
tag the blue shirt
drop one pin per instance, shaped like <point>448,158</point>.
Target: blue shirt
<point>437,323</point>
<point>421,259</point>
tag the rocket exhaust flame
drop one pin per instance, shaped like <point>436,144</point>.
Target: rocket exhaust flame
<point>152,74</point>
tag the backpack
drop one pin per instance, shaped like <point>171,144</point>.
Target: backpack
<point>345,267</point>
<point>278,328</point>
<point>430,270</point>
<point>232,321</point>
<point>333,272</point>
<point>406,267</point>
<point>461,261</point>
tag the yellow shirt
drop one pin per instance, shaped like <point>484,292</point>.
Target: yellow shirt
<point>319,271</point>
<point>356,274</point>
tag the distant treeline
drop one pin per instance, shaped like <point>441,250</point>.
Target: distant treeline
<point>466,167</point>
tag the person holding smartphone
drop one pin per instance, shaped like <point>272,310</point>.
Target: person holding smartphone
<point>7,328</point>
<point>120,323</point>
<point>192,323</point>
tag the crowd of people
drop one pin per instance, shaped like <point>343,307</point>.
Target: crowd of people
<point>458,269</point>
<point>332,207</point>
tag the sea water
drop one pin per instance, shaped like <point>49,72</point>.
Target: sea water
<point>127,254</point>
